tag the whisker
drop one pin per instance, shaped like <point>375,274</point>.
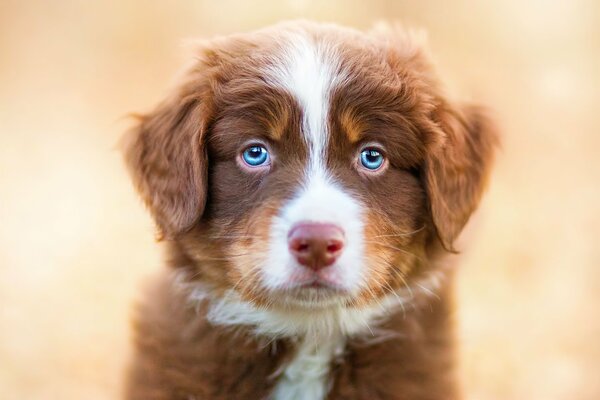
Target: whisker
<point>412,296</point>
<point>400,301</point>
<point>195,275</point>
<point>428,291</point>
<point>202,258</point>
<point>253,270</point>
<point>401,234</point>
<point>234,236</point>
<point>366,323</point>
<point>396,248</point>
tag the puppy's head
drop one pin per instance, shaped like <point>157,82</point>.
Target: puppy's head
<point>309,166</point>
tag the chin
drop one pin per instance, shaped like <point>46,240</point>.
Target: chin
<point>313,297</point>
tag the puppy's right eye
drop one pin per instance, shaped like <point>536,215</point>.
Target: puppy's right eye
<point>371,159</point>
<point>256,156</point>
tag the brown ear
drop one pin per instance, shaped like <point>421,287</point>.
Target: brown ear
<point>456,172</point>
<point>168,162</point>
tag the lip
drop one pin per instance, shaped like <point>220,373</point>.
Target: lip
<point>316,283</point>
<point>312,295</point>
<point>319,284</point>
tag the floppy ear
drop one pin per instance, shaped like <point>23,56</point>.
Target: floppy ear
<point>456,171</point>
<point>167,160</point>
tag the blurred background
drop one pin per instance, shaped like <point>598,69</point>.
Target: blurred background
<point>76,244</point>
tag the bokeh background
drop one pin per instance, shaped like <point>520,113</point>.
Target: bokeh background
<point>75,243</point>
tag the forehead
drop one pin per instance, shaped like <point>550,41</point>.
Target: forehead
<point>319,79</point>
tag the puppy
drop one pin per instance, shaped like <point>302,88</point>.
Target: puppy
<point>308,181</point>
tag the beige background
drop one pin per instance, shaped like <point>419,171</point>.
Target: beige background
<point>75,244</point>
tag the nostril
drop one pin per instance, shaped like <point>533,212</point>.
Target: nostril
<point>302,247</point>
<point>335,247</point>
<point>299,245</point>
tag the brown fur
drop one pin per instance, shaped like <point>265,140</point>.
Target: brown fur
<point>182,157</point>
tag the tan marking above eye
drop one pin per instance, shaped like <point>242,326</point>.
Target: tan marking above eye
<point>277,118</point>
<point>351,126</point>
<point>276,128</point>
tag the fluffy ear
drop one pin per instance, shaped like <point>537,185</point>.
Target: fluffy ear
<point>167,160</point>
<point>456,171</point>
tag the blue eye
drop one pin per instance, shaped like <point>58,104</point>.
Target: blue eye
<point>255,155</point>
<point>371,159</point>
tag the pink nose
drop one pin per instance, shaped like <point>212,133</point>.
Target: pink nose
<point>314,245</point>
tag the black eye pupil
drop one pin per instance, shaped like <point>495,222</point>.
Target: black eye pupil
<point>372,155</point>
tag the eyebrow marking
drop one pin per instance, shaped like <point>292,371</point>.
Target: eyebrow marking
<point>351,125</point>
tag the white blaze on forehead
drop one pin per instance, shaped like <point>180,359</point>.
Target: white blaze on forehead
<point>309,69</point>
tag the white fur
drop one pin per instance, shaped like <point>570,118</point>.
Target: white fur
<point>321,334</point>
<point>319,201</point>
<point>309,71</point>
<point>305,377</point>
<point>293,322</point>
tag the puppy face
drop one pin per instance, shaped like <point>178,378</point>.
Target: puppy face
<point>309,166</point>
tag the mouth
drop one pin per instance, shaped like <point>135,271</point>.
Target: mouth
<point>313,292</point>
<point>320,280</point>
<point>317,285</point>
<point>314,298</point>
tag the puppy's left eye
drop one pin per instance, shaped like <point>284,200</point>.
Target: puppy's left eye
<point>256,156</point>
<point>371,159</point>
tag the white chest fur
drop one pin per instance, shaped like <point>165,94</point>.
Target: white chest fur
<point>323,332</point>
<point>306,377</point>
